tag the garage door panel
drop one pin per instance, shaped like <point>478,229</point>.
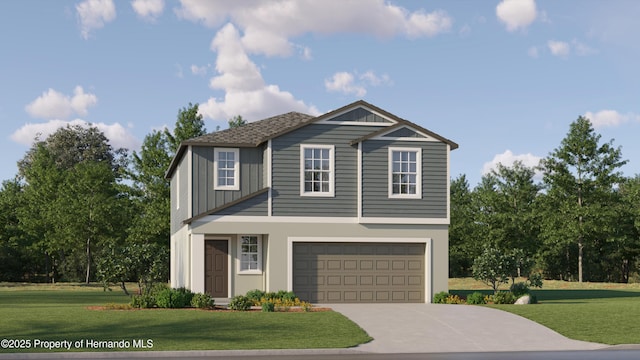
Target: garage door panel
<point>359,272</point>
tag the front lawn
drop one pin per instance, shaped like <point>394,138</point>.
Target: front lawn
<point>60,313</point>
<point>596,312</point>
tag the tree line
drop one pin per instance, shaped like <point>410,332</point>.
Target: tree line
<point>80,210</point>
<point>574,216</point>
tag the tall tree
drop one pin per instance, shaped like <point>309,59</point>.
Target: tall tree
<point>188,125</point>
<point>151,189</point>
<point>464,245</point>
<point>579,179</point>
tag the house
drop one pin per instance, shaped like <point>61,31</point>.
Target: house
<point>349,206</point>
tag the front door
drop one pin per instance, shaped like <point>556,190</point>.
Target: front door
<point>216,268</point>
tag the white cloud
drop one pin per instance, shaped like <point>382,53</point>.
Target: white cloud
<point>93,14</point>
<point>199,70</point>
<point>118,135</point>
<point>53,104</point>
<point>149,10</point>
<point>582,49</point>
<point>344,82</point>
<point>348,83</point>
<point>516,14</point>
<point>268,26</point>
<point>559,48</point>
<point>246,93</point>
<point>607,118</point>
<point>507,158</point>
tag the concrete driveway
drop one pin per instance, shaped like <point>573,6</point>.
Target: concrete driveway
<point>435,328</point>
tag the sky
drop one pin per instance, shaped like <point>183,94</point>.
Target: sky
<point>503,79</point>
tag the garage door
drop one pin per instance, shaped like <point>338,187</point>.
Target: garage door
<point>359,272</point>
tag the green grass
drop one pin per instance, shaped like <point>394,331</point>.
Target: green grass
<point>51,313</point>
<point>596,312</point>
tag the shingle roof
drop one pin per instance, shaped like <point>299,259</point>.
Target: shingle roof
<point>253,133</point>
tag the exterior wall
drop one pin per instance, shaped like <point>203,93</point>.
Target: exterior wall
<point>276,267</point>
<point>375,181</point>
<point>251,178</point>
<point>180,268</point>
<point>286,171</point>
<point>256,206</point>
<point>179,190</point>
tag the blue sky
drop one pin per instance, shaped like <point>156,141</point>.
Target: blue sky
<point>504,79</point>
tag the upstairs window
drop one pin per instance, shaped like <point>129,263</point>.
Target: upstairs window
<point>405,173</point>
<point>226,165</point>
<point>317,170</point>
<point>250,254</point>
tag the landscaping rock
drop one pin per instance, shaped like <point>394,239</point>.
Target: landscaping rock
<point>523,300</point>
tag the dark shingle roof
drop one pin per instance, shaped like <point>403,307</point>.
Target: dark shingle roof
<point>253,133</point>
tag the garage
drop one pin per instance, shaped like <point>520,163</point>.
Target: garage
<point>359,272</point>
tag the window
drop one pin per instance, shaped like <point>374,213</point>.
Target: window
<point>316,165</point>
<point>405,173</point>
<point>226,169</point>
<point>250,254</point>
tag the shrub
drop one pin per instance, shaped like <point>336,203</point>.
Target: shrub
<point>202,301</point>
<point>440,298</point>
<point>535,280</point>
<point>255,296</point>
<point>306,306</point>
<point>503,297</point>
<point>518,289</point>
<point>268,306</point>
<point>145,301</point>
<point>240,303</point>
<point>286,295</point>
<point>476,298</point>
<point>174,298</point>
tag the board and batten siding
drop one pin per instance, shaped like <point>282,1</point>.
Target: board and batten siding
<point>286,171</point>
<point>179,190</point>
<point>205,198</point>
<point>375,181</point>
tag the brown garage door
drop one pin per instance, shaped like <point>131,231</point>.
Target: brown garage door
<point>359,272</point>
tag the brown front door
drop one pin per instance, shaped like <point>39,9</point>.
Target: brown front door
<point>216,268</point>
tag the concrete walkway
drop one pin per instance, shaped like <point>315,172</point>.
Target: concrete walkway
<point>435,328</point>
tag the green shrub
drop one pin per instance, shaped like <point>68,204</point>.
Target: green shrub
<point>535,280</point>
<point>268,307</point>
<point>255,296</point>
<point>440,298</point>
<point>476,298</point>
<point>503,297</point>
<point>202,301</point>
<point>174,298</point>
<point>240,303</point>
<point>143,301</point>
<point>286,295</point>
<point>518,289</point>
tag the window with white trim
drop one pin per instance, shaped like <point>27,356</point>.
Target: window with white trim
<point>405,173</point>
<point>316,170</point>
<point>250,254</point>
<point>226,164</point>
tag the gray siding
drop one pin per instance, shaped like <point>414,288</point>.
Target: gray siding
<point>256,206</point>
<point>251,178</point>
<point>375,177</point>
<point>179,214</point>
<point>286,171</point>
<point>403,132</point>
<point>360,115</point>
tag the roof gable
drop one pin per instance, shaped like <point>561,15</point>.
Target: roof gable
<point>359,115</point>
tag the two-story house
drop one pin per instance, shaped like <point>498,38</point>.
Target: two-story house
<point>349,206</point>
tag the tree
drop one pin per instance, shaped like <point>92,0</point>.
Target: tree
<point>493,267</point>
<point>188,125</point>
<point>464,243</point>
<point>579,179</point>
<point>72,169</point>
<point>237,121</point>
